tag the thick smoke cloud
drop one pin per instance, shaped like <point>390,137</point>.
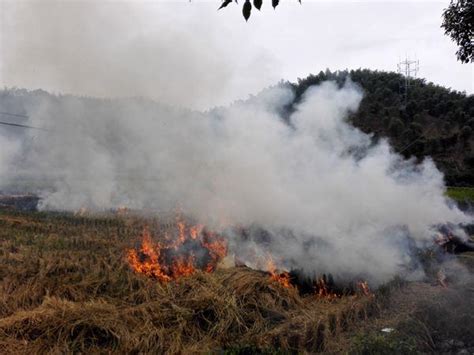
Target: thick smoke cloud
<point>328,199</point>
<point>331,200</point>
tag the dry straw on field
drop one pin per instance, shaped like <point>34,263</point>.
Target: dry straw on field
<point>66,288</point>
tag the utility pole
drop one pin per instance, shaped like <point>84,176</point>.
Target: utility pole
<point>408,68</point>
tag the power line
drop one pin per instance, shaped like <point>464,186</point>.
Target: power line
<point>417,139</point>
<point>21,125</point>
<point>14,114</point>
<point>18,124</point>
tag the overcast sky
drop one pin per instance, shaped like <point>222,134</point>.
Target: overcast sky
<point>189,53</point>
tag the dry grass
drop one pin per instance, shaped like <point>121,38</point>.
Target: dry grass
<point>65,287</point>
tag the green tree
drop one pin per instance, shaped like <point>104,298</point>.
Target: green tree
<point>458,23</point>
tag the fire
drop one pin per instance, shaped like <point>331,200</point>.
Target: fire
<point>283,278</point>
<point>194,231</point>
<point>218,249</point>
<point>192,249</point>
<point>363,286</point>
<point>322,289</point>
<point>183,266</point>
<point>150,265</point>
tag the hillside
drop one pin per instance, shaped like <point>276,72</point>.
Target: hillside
<point>434,121</point>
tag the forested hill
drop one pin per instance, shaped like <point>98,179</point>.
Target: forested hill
<point>433,121</point>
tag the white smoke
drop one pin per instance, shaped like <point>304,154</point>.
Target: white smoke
<point>9,148</point>
<point>332,201</point>
<point>132,48</point>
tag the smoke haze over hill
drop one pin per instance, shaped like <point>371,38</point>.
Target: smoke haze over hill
<point>332,200</point>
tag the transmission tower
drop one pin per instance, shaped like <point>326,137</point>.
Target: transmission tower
<point>409,69</point>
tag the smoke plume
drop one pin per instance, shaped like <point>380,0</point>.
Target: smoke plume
<point>310,189</point>
<point>328,198</point>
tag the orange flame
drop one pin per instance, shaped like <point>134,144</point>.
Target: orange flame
<point>193,248</point>
<point>323,291</point>
<point>173,258</point>
<point>194,231</point>
<point>217,249</point>
<point>150,266</point>
<point>283,278</point>
<point>183,266</point>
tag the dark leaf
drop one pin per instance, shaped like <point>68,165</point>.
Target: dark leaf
<point>257,4</point>
<point>275,3</point>
<point>224,4</point>
<point>247,9</point>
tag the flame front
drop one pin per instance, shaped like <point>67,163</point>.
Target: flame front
<point>147,260</point>
<point>193,249</point>
<point>283,278</point>
<point>323,290</point>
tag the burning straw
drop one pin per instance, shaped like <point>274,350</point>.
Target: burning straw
<point>188,248</point>
<point>193,248</point>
